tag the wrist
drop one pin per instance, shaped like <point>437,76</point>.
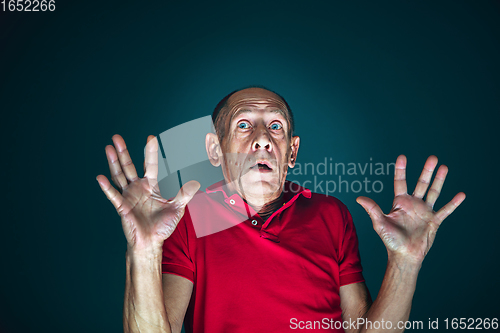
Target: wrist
<point>151,253</point>
<point>404,261</point>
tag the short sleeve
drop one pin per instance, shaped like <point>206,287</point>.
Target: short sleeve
<point>350,262</point>
<point>176,253</point>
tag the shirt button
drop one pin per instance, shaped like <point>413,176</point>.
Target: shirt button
<point>231,201</point>
<point>254,222</point>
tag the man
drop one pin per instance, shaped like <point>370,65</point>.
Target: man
<point>293,259</point>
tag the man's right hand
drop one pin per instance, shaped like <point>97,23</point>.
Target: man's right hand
<point>147,218</point>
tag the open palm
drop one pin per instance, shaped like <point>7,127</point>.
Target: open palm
<point>147,218</point>
<point>410,227</point>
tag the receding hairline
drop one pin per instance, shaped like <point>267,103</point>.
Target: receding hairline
<point>241,91</point>
<point>221,111</point>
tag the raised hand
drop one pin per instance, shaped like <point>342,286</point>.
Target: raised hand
<point>409,229</point>
<point>147,218</point>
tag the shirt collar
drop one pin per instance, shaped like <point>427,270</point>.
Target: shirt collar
<point>290,189</point>
<point>291,192</point>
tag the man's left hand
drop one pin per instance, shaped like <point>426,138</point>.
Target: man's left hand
<point>409,229</point>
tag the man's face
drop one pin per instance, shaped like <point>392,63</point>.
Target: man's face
<point>257,149</point>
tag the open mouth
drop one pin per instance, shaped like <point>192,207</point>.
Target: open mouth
<point>262,166</point>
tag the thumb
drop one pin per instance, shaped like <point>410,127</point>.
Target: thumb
<point>371,208</point>
<point>187,192</point>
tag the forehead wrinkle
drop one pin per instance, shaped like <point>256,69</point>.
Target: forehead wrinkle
<point>257,102</point>
<point>238,112</point>
<point>237,104</point>
<point>278,111</point>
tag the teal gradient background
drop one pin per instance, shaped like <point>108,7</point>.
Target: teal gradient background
<point>364,79</point>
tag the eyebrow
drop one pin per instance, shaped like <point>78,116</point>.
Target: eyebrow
<point>279,111</point>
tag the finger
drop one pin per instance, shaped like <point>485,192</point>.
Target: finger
<point>151,159</point>
<point>115,168</point>
<point>111,193</point>
<point>437,185</point>
<point>371,208</point>
<point>124,157</point>
<point>187,192</point>
<point>400,176</point>
<point>425,177</point>
<point>150,137</point>
<point>449,207</point>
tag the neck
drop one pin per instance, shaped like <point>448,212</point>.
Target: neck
<point>269,208</point>
<point>265,207</point>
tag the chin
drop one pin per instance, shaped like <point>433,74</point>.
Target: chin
<point>260,186</point>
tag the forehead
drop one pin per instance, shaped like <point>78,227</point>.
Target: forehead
<point>255,98</point>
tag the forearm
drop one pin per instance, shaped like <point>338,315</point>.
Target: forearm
<point>144,307</point>
<point>393,303</point>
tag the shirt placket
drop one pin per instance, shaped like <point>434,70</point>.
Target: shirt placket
<point>237,204</point>
<point>272,233</point>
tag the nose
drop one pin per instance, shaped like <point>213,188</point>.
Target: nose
<point>262,141</point>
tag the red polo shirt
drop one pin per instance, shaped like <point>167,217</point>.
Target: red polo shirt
<point>256,275</point>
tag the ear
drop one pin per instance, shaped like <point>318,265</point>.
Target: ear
<point>214,151</point>
<point>294,149</point>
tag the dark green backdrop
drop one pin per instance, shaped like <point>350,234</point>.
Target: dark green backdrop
<point>365,80</point>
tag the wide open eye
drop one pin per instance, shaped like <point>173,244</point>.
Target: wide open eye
<point>244,125</point>
<point>276,126</point>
